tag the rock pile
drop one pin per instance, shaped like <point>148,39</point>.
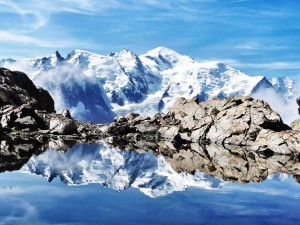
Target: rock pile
<point>237,121</point>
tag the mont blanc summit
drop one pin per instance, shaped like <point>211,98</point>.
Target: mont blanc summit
<point>98,87</point>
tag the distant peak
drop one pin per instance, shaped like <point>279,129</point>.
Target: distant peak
<point>125,54</point>
<point>57,55</point>
<point>127,51</point>
<point>78,52</point>
<point>162,51</point>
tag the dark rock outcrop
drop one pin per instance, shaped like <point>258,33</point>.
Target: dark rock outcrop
<point>17,89</point>
<point>20,117</point>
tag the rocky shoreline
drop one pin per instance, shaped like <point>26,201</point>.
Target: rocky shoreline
<point>235,121</point>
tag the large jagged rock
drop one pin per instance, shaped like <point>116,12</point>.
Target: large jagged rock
<point>17,89</point>
<point>295,125</point>
<point>20,100</point>
<point>236,120</point>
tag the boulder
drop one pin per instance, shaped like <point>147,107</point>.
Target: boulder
<point>7,120</point>
<point>25,122</point>
<point>62,125</point>
<point>168,132</point>
<point>66,113</point>
<point>298,101</point>
<point>131,116</point>
<point>21,117</point>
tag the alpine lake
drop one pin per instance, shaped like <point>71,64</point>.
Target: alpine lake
<point>101,184</point>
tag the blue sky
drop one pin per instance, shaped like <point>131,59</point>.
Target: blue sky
<point>258,37</point>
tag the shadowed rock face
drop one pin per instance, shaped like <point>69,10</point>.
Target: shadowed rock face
<point>17,89</point>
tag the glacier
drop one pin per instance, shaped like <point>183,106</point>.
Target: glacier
<point>98,87</point>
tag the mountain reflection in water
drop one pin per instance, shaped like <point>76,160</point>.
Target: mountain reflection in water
<point>156,174</point>
<point>26,198</point>
<point>116,169</point>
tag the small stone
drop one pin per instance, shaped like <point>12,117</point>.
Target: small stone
<point>66,113</point>
<point>81,129</point>
<point>6,120</point>
<point>131,116</point>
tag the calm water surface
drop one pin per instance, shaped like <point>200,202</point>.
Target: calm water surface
<point>97,184</point>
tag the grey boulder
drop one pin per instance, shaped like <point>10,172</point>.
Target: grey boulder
<point>62,125</point>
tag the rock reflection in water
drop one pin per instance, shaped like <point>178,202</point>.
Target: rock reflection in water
<point>159,172</point>
<point>15,153</point>
<point>230,163</point>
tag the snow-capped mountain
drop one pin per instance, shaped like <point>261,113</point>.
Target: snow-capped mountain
<point>98,87</point>
<point>284,85</point>
<point>101,164</point>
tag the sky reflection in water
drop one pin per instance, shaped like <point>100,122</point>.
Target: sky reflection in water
<point>30,199</point>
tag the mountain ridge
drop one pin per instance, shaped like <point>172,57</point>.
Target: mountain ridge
<point>122,82</point>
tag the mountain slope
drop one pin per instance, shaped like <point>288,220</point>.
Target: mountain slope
<point>284,85</point>
<point>98,87</point>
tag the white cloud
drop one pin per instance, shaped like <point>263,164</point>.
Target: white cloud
<point>26,39</point>
<point>268,66</point>
<point>6,36</point>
